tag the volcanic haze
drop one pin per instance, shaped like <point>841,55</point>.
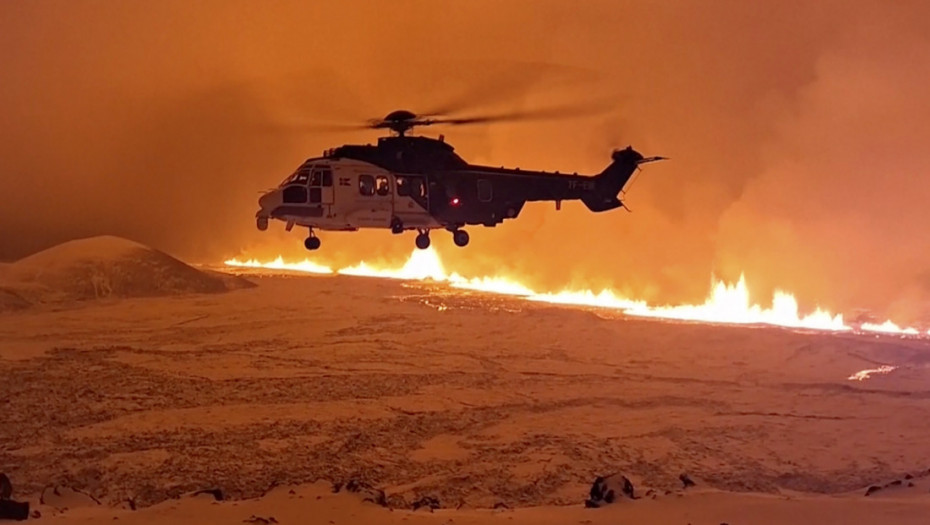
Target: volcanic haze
<point>797,132</point>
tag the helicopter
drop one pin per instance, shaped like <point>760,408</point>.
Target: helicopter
<point>410,182</point>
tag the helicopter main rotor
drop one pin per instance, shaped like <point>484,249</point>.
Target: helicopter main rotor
<point>401,121</point>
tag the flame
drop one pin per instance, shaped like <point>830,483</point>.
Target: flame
<point>889,327</point>
<point>726,303</point>
<point>278,264</point>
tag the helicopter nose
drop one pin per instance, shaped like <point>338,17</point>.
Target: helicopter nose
<point>269,201</point>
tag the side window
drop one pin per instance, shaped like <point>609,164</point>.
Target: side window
<point>403,186</point>
<point>382,186</point>
<point>327,178</point>
<point>484,190</point>
<point>315,178</point>
<point>302,176</point>
<point>366,185</point>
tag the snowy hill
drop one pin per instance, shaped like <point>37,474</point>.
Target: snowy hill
<point>103,267</point>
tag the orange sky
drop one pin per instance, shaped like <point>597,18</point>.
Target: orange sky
<point>798,131</point>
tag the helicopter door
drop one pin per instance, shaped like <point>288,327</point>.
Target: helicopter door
<point>411,203</point>
<point>375,205</point>
<point>321,186</point>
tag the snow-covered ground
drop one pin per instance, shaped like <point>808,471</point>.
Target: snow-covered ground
<point>476,400</point>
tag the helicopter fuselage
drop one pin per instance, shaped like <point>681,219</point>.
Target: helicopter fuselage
<point>417,183</point>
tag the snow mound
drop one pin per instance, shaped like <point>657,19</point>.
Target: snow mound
<point>106,267</point>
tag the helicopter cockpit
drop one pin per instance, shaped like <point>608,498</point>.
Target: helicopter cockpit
<point>307,182</point>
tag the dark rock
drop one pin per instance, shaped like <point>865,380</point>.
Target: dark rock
<point>908,476</point>
<point>14,510</point>
<point>66,498</point>
<point>35,514</point>
<point>501,505</point>
<point>260,520</point>
<point>608,489</point>
<point>216,493</point>
<point>686,480</point>
<point>132,503</point>
<point>367,492</point>
<point>894,483</point>
<point>595,492</point>
<point>910,483</point>
<point>396,501</point>
<point>872,490</point>
<point>426,502</point>
<point>337,487</point>
<point>609,497</point>
<point>6,488</point>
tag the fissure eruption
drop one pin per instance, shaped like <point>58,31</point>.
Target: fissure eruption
<point>726,303</point>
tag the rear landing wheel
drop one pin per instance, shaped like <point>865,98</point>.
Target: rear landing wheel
<point>460,237</point>
<point>312,243</point>
<point>397,226</point>
<point>423,240</point>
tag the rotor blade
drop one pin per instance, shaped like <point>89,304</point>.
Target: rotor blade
<point>490,83</point>
<point>314,128</point>
<point>557,112</point>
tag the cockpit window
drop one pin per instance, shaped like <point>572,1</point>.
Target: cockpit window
<point>301,176</point>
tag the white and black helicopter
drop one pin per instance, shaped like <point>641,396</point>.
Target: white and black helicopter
<point>419,183</point>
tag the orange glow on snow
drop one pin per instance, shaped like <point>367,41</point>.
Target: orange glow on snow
<point>726,303</point>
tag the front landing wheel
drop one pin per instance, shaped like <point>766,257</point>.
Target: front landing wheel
<point>423,241</point>
<point>312,243</point>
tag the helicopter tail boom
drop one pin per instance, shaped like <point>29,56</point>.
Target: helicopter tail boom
<point>610,182</point>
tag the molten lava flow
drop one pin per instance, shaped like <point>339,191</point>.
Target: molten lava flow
<point>731,304</point>
<point>727,303</point>
<point>888,328</point>
<point>278,264</point>
<point>426,265</point>
<point>862,375</point>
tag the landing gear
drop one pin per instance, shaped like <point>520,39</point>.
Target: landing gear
<point>423,239</point>
<point>460,237</point>
<point>312,242</point>
<point>262,223</point>
<point>397,226</point>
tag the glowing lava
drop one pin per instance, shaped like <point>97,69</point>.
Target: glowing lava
<point>731,304</point>
<point>278,264</point>
<point>888,328</point>
<point>726,303</point>
<point>862,375</point>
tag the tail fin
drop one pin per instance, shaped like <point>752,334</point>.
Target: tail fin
<point>608,183</point>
